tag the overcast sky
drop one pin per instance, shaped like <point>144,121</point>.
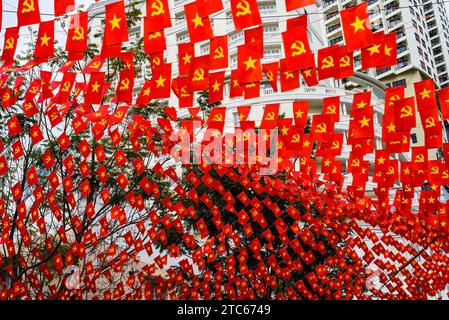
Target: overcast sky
<point>46,6</point>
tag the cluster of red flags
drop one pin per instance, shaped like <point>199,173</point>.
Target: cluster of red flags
<point>79,185</point>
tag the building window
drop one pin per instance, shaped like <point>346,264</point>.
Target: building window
<point>414,138</point>
<point>400,82</point>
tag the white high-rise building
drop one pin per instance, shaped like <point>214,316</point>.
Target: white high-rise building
<point>422,33</point>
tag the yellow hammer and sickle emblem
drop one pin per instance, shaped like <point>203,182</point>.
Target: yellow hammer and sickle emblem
<point>406,112</point>
<point>218,53</point>
<point>335,145</point>
<point>328,62</point>
<point>66,86</point>
<point>419,158</point>
<point>355,163</point>
<point>156,61</point>
<point>6,96</point>
<point>270,116</point>
<point>158,8</point>
<point>78,34</point>
<point>270,76</point>
<point>155,35</point>
<point>95,65</point>
<point>34,90</point>
<point>331,109</point>
<point>28,6</point>
<point>244,8</point>
<point>408,188</point>
<point>184,93</point>
<point>435,170</point>
<point>280,145</point>
<point>345,61</point>
<point>218,117</point>
<point>404,139</point>
<point>77,90</point>
<point>198,75</point>
<point>321,128</point>
<point>393,98</point>
<point>124,84</point>
<point>390,170</point>
<point>296,138</point>
<point>9,43</point>
<point>430,122</point>
<point>445,174</point>
<point>298,48</point>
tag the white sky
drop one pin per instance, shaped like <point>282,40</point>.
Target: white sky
<point>46,6</point>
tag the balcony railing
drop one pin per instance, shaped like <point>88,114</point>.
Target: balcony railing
<point>331,15</point>
<point>334,27</point>
<point>392,9</point>
<point>335,40</point>
<point>401,49</point>
<point>328,3</point>
<point>394,23</point>
<point>402,64</point>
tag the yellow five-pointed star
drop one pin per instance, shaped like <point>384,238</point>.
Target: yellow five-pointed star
<point>45,39</point>
<point>187,58</point>
<point>284,131</point>
<point>308,73</point>
<point>146,92</point>
<point>391,127</point>
<point>358,24</point>
<point>374,49</point>
<point>250,63</point>
<point>327,163</point>
<point>387,50</point>
<point>197,21</point>
<point>381,160</point>
<point>364,122</point>
<point>216,86</point>
<point>425,93</point>
<point>160,82</point>
<point>115,22</point>
<point>299,113</point>
<point>361,104</point>
<point>95,87</point>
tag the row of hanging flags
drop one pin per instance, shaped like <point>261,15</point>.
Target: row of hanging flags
<point>428,228</point>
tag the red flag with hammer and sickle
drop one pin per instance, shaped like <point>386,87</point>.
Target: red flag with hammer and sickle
<point>28,12</point>
<point>245,14</point>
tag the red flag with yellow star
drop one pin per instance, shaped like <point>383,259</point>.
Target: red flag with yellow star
<point>249,67</point>
<point>425,94</point>
<point>199,27</point>
<point>289,79</point>
<point>186,51</point>
<point>356,27</point>
<point>116,29</point>
<point>216,84</point>
<point>45,40</point>
<point>162,81</point>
